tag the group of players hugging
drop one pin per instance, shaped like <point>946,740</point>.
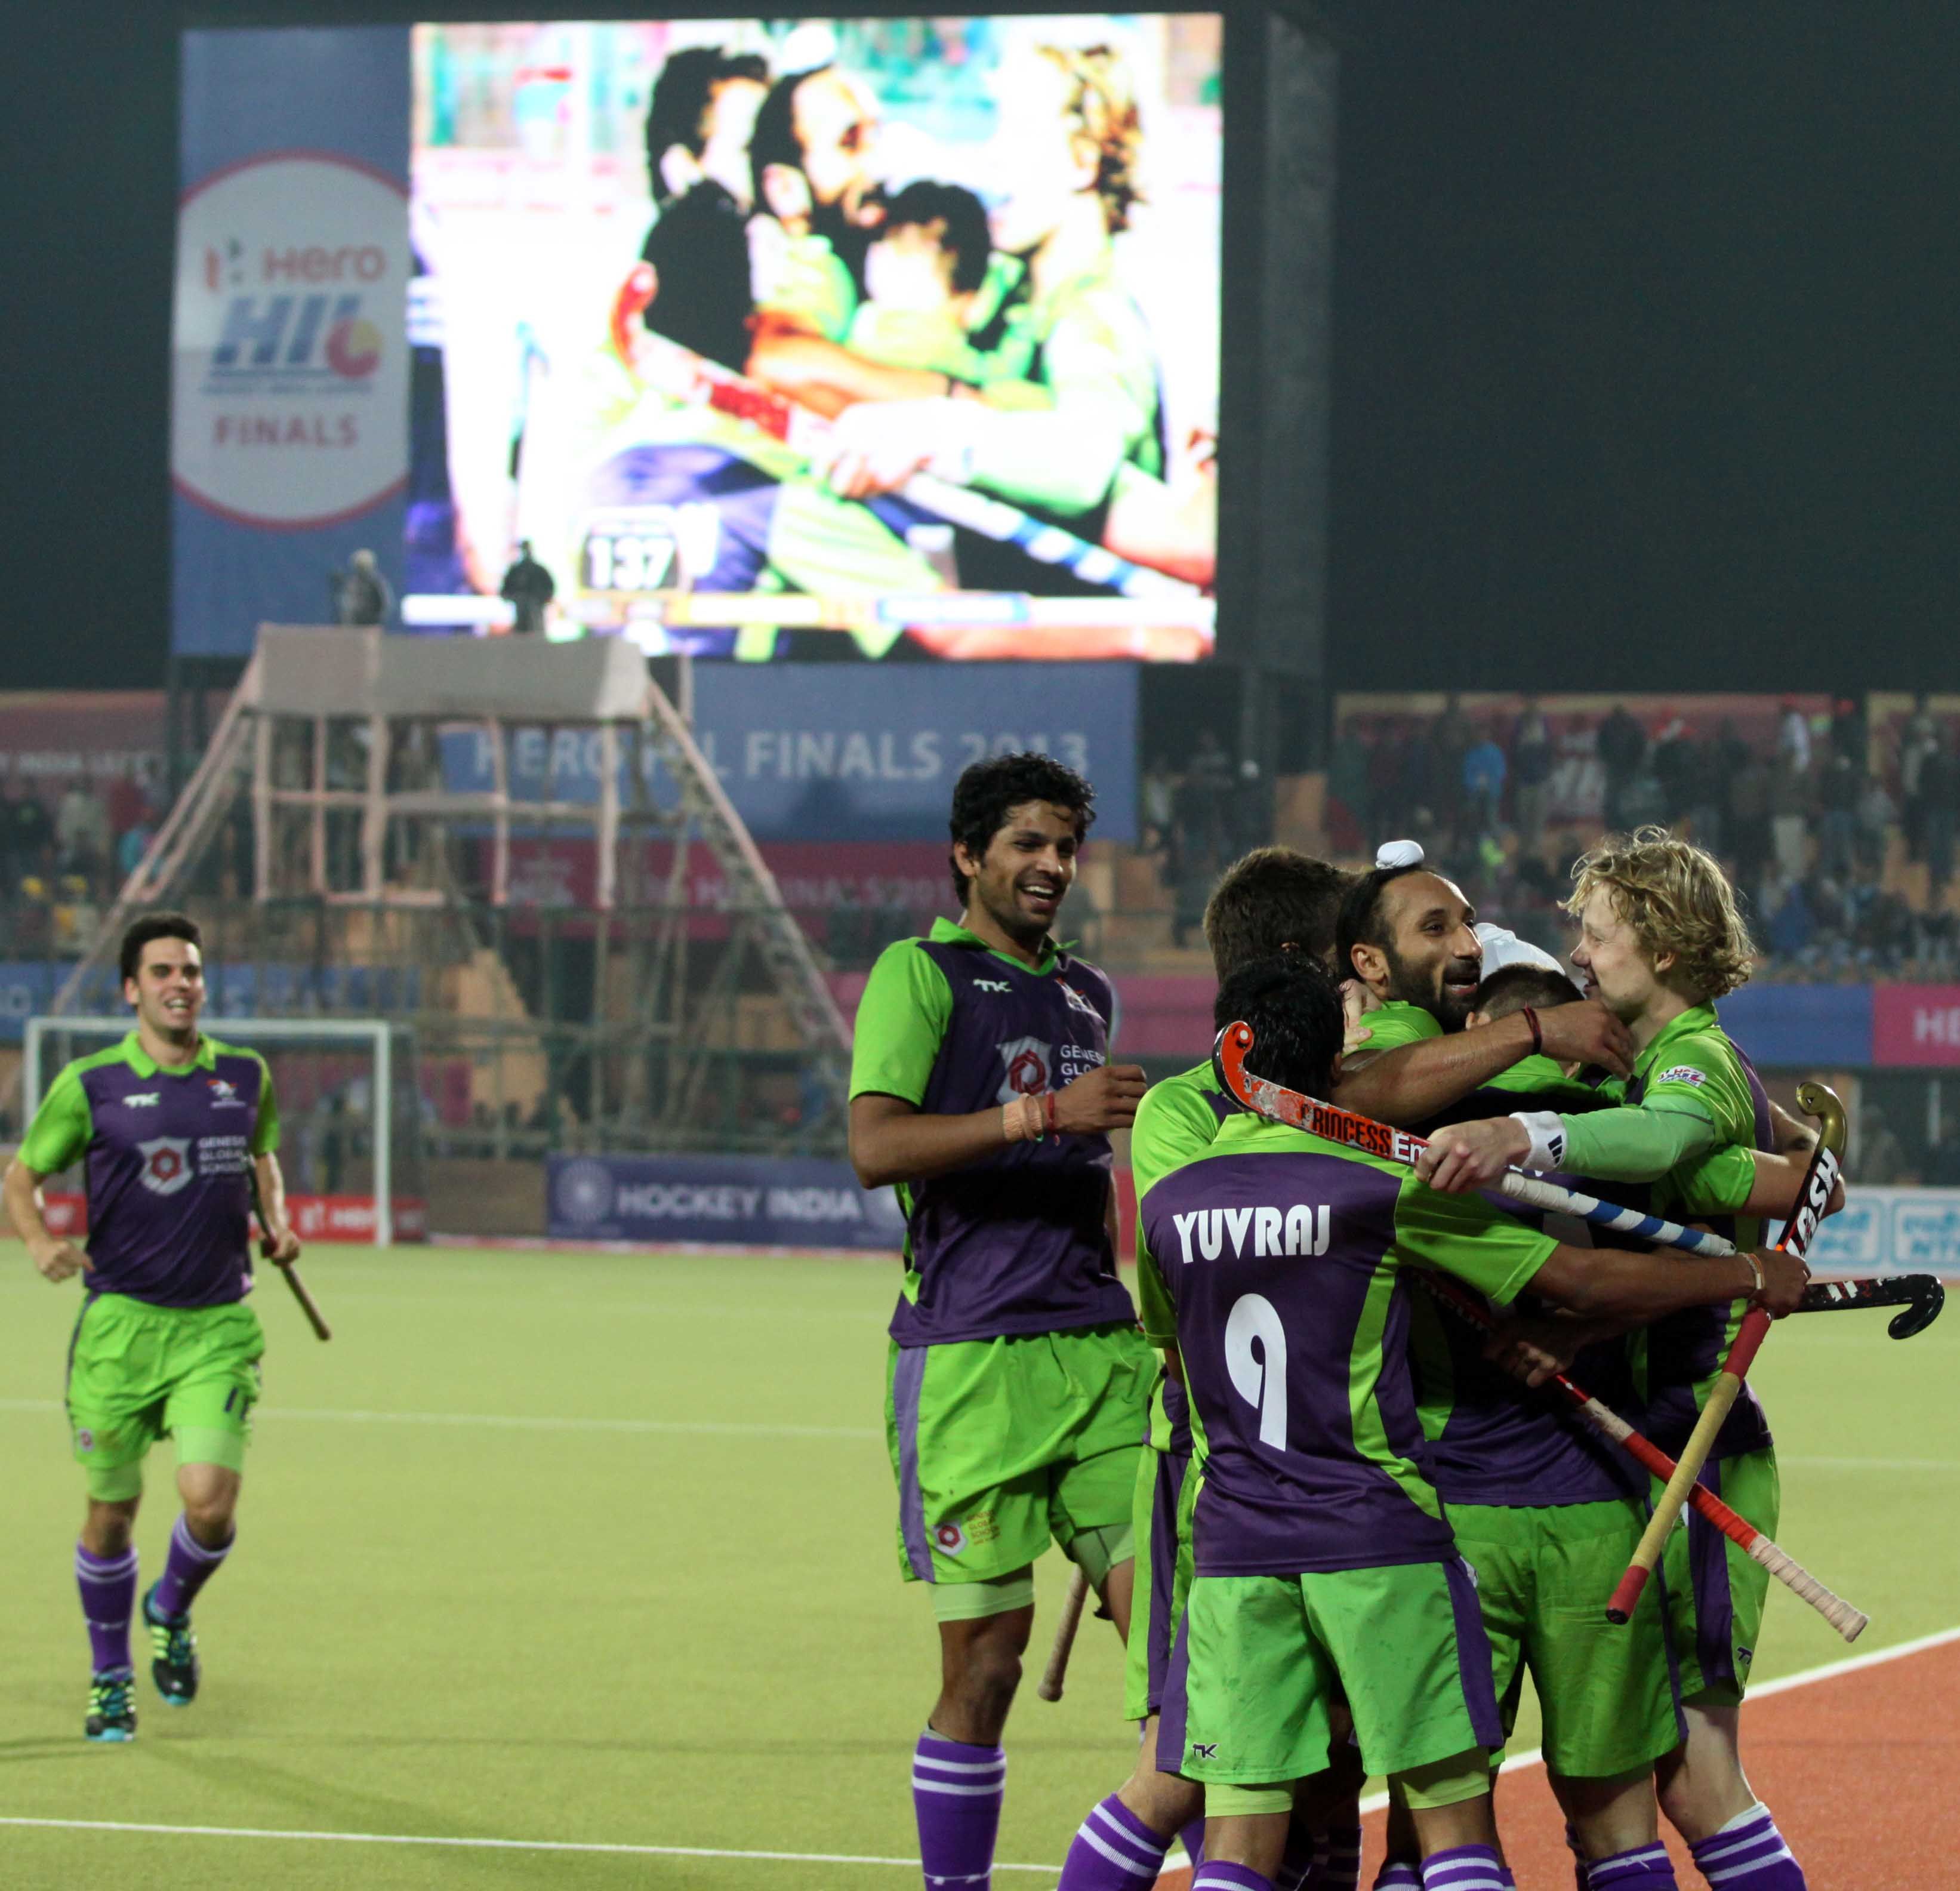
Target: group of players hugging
<point>904,331</point>
<point>1355,1525</point>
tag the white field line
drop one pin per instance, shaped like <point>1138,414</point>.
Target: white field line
<point>1830,1670</point>
<point>500,1421</point>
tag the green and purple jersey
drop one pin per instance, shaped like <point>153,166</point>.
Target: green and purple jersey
<point>1176,1122</point>
<point>165,1152</point>
<point>1692,1068</point>
<point>1286,1257</point>
<point>1017,1242</point>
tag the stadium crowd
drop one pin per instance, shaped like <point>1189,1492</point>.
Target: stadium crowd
<point>1841,845</point>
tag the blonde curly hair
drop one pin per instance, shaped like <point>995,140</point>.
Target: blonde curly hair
<point>1101,100</point>
<point>1678,900</point>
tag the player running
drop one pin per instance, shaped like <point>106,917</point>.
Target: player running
<point>1018,1386</point>
<point>1321,1558</point>
<point>169,1121</point>
<point>1661,940</point>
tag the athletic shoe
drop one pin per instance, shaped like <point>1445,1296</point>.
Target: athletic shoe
<point>175,1668</point>
<point>112,1706</point>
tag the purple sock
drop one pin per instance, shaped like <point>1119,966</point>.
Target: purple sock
<point>1336,1861</point>
<point>1581,1870</point>
<point>1645,1868</point>
<point>1398,1875</point>
<point>1748,1854</point>
<point>1229,1877</point>
<point>108,1585</point>
<point>1463,1868</point>
<point>190,1567</point>
<point>957,1793</point>
<point>1114,1851</point>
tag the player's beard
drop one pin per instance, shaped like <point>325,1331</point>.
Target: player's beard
<point>1407,987</point>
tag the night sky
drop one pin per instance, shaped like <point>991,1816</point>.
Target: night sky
<point>1646,365</point>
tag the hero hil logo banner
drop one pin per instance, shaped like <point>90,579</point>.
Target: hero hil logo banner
<point>290,372</point>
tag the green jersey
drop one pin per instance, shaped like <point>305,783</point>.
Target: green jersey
<point>1691,1068</point>
<point>1017,1241</point>
<point>1391,1025</point>
<point>166,1150</point>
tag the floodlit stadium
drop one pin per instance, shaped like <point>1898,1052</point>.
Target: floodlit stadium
<point>981,950</point>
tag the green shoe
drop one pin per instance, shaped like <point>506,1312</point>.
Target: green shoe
<point>112,1706</point>
<point>174,1667</point>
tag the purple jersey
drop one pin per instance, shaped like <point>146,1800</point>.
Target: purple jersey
<point>1287,1259</point>
<point>1493,1440</point>
<point>1019,1241</point>
<point>165,1155</point>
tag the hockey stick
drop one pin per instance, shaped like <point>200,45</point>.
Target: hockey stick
<point>1922,1295</point>
<point>1049,1687</point>
<point>686,375</point>
<point>315,1318</point>
<point>1266,1098</point>
<point>1820,1101</point>
<point>1848,1621</point>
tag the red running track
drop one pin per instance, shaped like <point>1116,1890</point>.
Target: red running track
<point>1862,1770</point>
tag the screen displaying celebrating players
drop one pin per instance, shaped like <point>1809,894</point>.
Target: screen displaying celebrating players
<point>821,337</point>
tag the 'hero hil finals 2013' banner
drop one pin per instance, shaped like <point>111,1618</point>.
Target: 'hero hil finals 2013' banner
<point>290,370</point>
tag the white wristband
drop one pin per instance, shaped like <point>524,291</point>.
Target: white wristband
<point>1546,1128</point>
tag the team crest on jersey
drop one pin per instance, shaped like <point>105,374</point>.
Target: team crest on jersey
<point>225,1095</point>
<point>1027,1060</point>
<point>1683,1073</point>
<point>1077,1002</point>
<point>950,1538</point>
<point>166,1164</point>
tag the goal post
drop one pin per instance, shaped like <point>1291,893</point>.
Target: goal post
<point>350,1111</point>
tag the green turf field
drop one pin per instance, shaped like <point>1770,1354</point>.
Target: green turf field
<point>599,1550</point>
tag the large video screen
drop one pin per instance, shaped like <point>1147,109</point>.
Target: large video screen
<point>880,338</point>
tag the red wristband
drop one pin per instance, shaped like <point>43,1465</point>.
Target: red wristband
<point>1530,1017</point>
<point>1048,1100</point>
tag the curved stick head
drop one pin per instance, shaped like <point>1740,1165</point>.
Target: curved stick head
<point>1228,1061</point>
<point>1925,1309</point>
<point>1820,1100</point>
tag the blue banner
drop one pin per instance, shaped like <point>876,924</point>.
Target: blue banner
<point>1812,1027</point>
<point>290,372</point>
<point>838,752</point>
<point>725,1201</point>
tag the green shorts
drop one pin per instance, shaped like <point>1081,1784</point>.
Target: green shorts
<point>1001,1445</point>
<point>1543,1576</point>
<point>138,1373</point>
<point>1260,1660</point>
<point>1163,1578</point>
<point>1715,1590</point>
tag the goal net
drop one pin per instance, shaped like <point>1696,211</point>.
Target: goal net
<point>350,1117</point>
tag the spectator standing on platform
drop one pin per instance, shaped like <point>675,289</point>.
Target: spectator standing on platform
<point>1794,734</point>
<point>1838,789</point>
<point>1920,739</point>
<point>1159,805</point>
<point>1876,812</point>
<point>1449,741</point>
<point>361,595</point>
<point>1847,733</point>
<point>1483,779</point>
<point>1532,761</point>
<point>1623,747</point>
<point>1789,815</point>
<point>1749,820</point>
<point>528,588</point>
<point>1940,801</point>
<point>81,831</point>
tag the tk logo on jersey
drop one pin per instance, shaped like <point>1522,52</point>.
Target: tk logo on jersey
<point>143,1099</point>
<point>1027,1059</point>
<point>991,984</point>
<point>166,1164</point>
